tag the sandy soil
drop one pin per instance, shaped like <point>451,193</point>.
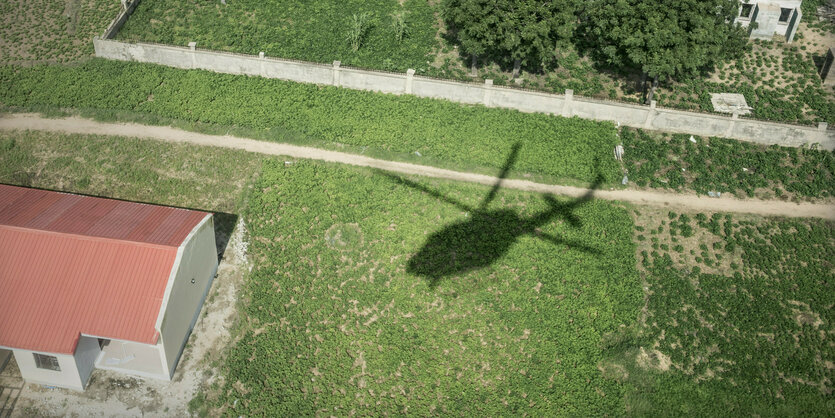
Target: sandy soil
<point>682,201</point>
<point>114,394</point>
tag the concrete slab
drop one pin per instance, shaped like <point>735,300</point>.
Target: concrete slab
<point>729,103</point>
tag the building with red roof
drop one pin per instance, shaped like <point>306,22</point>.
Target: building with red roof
<point>87,282</point>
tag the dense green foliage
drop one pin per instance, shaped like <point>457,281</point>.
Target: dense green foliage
<point>512,30</point>
<point>724,165</point>
<point>334,322</point>
<point>745,328</point>
<point>313,31</point>
<point>51,31</point>
<point>457,134</point>
<point>665,38</point>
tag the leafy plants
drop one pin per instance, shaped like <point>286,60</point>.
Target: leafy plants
<point>398,23</point>
<point>728,331</point>
<point>440,132</point>
<point>358,29</point>
<point>727,166</point>
<point>349,327</point>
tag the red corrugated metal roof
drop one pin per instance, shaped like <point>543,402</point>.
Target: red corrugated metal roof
<point>72,265</point>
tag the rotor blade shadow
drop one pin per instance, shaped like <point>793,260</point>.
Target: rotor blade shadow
<point>511,159</point>
<point>424,189</point>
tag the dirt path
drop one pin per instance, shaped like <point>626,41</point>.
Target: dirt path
<point>689,202</point>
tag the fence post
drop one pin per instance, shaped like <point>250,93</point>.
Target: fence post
<point>650,114</point>
<point>192,47</point>
<point>261,63</point>
<point>410,78</point>
<point>568,103</point>
<point>336,80</point>
<point>488,92</point>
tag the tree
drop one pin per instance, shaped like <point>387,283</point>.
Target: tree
<point>665,38</point>
<point>522,31</point>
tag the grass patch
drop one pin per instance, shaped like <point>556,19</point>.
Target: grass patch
<point>316,32</point>
<point>560,148</point>
<point>34,31</point>
<point>727,166</point>
<point>348,327</point>
<point>128,168</point>
<point>744,328</point>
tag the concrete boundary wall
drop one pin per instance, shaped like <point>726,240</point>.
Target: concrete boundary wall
<point>125,10</point>
<point>567,105</point>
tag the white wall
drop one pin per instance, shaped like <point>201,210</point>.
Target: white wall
<point>144,360</point>
<point>198,261</point>
<point>638,116</point>
<point>68,377</point>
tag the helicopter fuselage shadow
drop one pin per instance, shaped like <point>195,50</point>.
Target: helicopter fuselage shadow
<point>486,234</point>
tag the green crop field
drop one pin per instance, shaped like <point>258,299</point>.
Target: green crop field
<point>312,31</point>
<point>456,135</point>
<point>128,168</point>
<point>637,311</point>
<point>738,320</point>
<point>727,166</point>
<point>34,31</point>
<point>422,131</point>
<point>345,315</point>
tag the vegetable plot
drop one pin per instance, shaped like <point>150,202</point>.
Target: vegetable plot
<point>336,324</point>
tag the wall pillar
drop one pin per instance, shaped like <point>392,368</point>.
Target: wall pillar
<point>650,114</point>
<point>336,78</point>
<point>568,103</point>
<point>410,78</point>
<point>488,92</point>
<point>192,49</point>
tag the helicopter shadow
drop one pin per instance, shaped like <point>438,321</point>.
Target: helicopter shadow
<point>487,234</point>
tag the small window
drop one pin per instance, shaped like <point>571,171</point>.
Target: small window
<point>746,11</point>
<point>43,361</point>
<point>785,14</point>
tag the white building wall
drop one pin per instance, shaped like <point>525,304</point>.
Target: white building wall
<point>198,262</point>
<point>69,376</point>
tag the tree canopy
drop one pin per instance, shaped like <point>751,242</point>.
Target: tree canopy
<point>665,38</point>
<point>523,31</point>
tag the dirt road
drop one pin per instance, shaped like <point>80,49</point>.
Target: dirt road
<point>681,201</point>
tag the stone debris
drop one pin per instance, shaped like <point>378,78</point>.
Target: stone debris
<point>619,152</point>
